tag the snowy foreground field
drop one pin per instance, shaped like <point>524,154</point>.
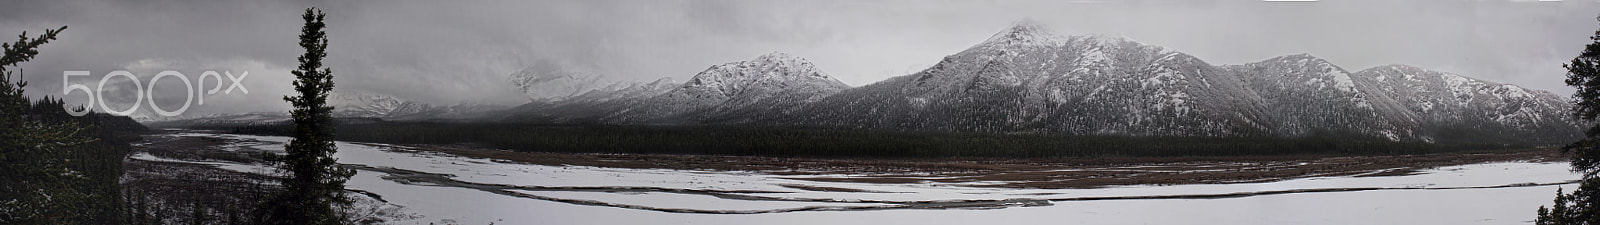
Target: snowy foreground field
<point>440,188</point>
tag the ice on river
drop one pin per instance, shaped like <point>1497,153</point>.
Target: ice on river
<point>448,189</point>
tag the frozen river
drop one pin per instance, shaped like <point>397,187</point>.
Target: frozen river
<point>447,189</point>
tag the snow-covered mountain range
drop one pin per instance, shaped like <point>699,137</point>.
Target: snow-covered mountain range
<point>1028,79</point>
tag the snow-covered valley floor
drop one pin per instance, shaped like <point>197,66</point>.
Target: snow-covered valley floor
<point>441,188</point>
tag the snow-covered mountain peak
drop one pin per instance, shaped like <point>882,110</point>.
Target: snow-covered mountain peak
<point>769,68</point>
<point>1309,69</point>
<point>1303,64</point>
<point>781,58</point>
<point>1026,32</point>
<point>738,90</point>
<point>1027,26</point>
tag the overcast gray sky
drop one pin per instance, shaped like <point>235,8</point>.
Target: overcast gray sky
<point>454,51</point>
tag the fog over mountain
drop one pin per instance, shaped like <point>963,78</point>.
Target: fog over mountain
<point>448,53</point>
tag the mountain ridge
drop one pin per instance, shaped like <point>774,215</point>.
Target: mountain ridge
<point>1026,78</point>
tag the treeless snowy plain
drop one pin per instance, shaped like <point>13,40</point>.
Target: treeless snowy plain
<point>446,189</point>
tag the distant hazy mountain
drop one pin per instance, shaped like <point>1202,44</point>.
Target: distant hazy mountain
<point>226,119</point>
<point>346,105</point>
<point>592,106</point>
<point>767,87</point>
<point>368,105</point>
<point>550,80</point>
<point>1027,79</point>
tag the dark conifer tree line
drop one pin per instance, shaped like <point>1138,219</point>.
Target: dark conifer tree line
<point>56,168</point>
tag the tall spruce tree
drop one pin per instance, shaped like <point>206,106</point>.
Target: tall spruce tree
<point>314,186</point>
<point>1580,207</point>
